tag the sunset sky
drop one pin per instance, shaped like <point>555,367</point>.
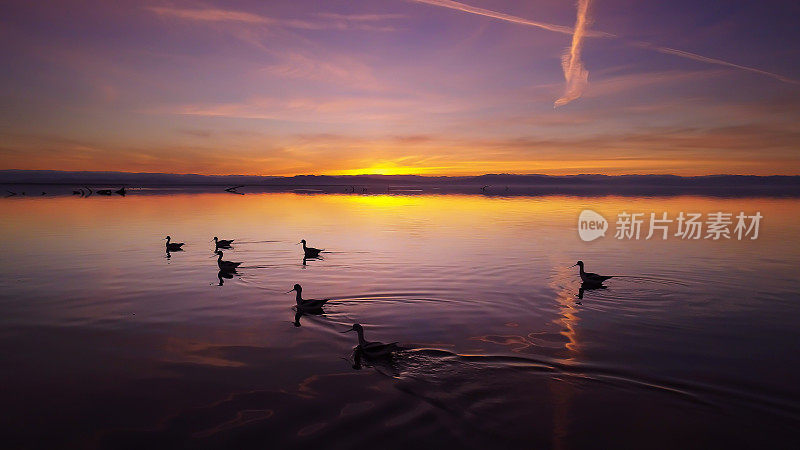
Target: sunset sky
<point>401,86</point>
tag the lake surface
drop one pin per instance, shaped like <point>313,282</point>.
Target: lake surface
<point>107,342</point>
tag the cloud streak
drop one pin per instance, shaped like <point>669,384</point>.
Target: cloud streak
<point>719,62</point>
<point>210,15</point>
<point>328,21</point>
<point>506,17</point>
<point>575,74</point>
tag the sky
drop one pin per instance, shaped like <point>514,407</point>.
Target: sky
<point>401,86</point>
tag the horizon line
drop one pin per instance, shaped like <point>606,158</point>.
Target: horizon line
<point>389,175</point>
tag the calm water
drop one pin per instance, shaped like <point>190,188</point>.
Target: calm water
<point>106,342</point>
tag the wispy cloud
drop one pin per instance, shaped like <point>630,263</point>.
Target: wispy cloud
<point>350,111</point>
<point>506,17</point>
<point>575,74</point>
<point>719,62</point>
<point>682,150</point>
<point>337,69</point>
<point>209,15</point>
<point>361,17</point>
<point>340,109</point>
<point>324,21</point>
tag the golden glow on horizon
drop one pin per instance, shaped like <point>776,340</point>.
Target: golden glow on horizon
<point>428,159</point>
<point>592,164</point>
<point>472,168</point>
<point>387,168</point>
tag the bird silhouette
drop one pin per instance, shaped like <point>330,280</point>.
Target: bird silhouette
<point>221,243</point>
<point>590,278</point>
<point>371,349</point>
<point>227,266</point>
<point>173,246</point>
<point>309,305</point>
<point>310,252</point>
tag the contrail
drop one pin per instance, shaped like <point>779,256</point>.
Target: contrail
<point>507,17</point>
<point>575,73</point>
<point>701,58</point>
<point>571,60</point>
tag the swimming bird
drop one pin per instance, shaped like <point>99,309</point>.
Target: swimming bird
<point>306,305</point>
<point>590,278</point>
<point>372,349</point>
<point>310,252</point>
<point>226,265</point>
<point>173,245</point>
<point>223,242</point>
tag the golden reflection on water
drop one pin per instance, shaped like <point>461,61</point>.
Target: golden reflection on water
<point>443,211</point>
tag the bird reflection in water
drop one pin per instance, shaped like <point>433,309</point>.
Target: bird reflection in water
<point>223,275</point>
<point>300,312</point>
<point>315,258</point>
<point>588,287</point>
<point>170,252</point>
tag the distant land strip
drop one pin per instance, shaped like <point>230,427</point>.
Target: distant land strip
<point>510,184</point>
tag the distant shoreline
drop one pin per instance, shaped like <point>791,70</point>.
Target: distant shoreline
<point>14,182</point>
<point>51,177</point>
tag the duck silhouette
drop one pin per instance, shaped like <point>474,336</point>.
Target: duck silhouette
<point>221,243</point>
<point>227,266</point>
<point>307,305</point>
<point>310,252</point>
<point>310,305</point>
<point>173,246</point>
<point>590,278</point>
<point>372,349</point>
